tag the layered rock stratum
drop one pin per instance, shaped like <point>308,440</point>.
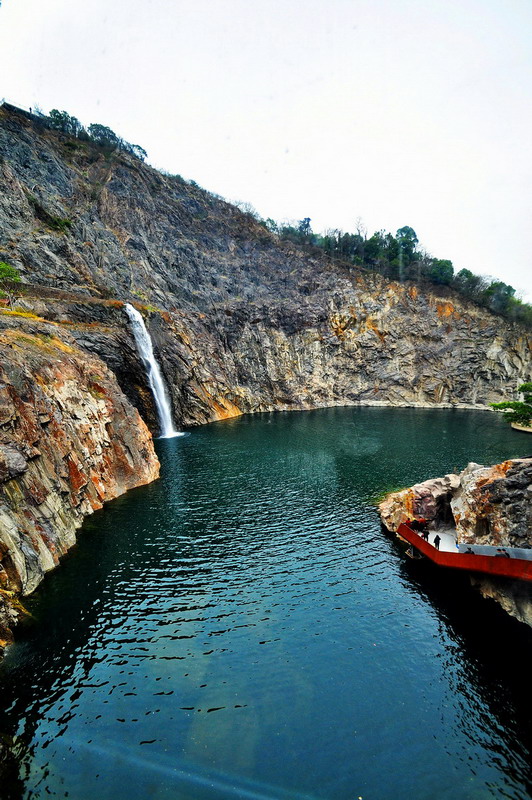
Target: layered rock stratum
<point>486,506</point>
<point>69,441</point>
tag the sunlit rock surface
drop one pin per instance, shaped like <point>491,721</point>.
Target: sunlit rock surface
<point>493,505</point>
<point>429,500</point>
<point>487,506</point>
<point>69,441</point>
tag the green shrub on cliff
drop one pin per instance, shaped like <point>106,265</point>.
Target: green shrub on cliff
<point>59,224</point>
<point>8,274</point>
<point>441,271</point>
<point>519,412</point>
<point>62,121</point>
<point>8,277</point>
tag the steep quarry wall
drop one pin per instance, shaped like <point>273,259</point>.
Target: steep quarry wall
<point>384,343</point>
<point>242,321</point>
<point>372,342</point>
<point>69,441</point>
<point>486,506</point>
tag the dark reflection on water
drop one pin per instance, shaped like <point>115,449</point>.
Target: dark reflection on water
<point>243,629</point>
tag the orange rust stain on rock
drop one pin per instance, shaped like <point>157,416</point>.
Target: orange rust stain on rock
<point>340,323</point>
<point>99,486</point>
<point>370,325</point>
<point>77,478</point>
<point>222,406</point>
<point>97,388</point>
<point>52,547</point>
<point>497,471</point>
<point>338,331</point>
<point>404,499</point>
<point>226,411</point>
<point>183,337</point>
<point>505,466</point>
<point>445,309</point>
<point>38,492</point>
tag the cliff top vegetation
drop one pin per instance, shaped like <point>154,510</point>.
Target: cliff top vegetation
<point>400,258</point>
<point>518,411</point>
<point>95,132</point>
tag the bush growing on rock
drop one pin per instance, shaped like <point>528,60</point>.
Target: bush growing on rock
<point>9,276</point>
<point>516,411</point>
<point>8,273</point>
<point>98,134</point>
<point>62,121</point>
<point>400,258</point>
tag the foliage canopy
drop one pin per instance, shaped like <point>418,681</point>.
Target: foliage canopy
<point>400,258</point>
<point>518,411</point>
<point>99,134</point>
<point>8,274</point>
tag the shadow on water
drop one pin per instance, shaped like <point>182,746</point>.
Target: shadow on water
<point>64,612</point>
<point>255,570</point>
<point>485,658</point>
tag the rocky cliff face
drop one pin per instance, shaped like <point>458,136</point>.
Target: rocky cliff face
<point>430,500</point>
<point>493,505</point>
<point>486,506</point>
<point>391,345</point>
<point>241,320</point>
<point>69,441</point>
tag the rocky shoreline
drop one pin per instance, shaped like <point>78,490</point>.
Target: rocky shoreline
<point>484,506</point>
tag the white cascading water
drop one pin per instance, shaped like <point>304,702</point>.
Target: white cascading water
<point>155,379</point>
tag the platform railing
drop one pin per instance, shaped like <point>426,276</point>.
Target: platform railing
<point>523,553</point>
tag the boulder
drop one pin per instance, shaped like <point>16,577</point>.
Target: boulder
<point>429,500</point>
<point>493,505</point>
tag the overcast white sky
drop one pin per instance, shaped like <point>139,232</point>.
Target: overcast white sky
<point>402,112</point>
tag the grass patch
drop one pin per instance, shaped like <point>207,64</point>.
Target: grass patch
<point>96,393</point>
<point>39,342</point>
<point>19,312</point>
<point>59,224</point>
<point>147,307</point>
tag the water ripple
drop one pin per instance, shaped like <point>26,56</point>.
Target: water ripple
<point>242,628</point>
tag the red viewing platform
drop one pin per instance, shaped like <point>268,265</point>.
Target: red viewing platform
<point>508,567</point>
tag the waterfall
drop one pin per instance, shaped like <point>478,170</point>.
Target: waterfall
<point>155,379</point>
